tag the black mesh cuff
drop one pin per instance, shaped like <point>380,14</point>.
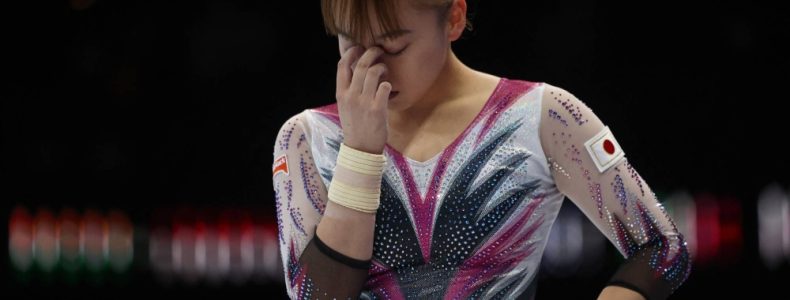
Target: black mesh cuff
<point>629,286</point>
<point>340,257</point>
<point>636,274</point>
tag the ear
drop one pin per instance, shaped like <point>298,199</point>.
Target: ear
<point>456,20</point>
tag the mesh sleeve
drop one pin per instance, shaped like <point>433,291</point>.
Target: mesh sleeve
<point>312,269</point>
<point>590,168</point>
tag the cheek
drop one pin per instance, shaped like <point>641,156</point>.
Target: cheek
<point>425,65</point>
<point>416,69</point>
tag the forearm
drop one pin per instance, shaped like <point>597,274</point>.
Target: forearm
<point>347,231</point>
<point>335,262</point>
<point>349,219</point>
<point>325,247</point>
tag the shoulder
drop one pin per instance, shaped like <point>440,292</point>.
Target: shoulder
<point>292,123</point>
<point>302,118</point>
<point>565,120</point>
<point>553,97</point>
<point>310,127</point>
<point>562,106</point>
<point>293,126</point>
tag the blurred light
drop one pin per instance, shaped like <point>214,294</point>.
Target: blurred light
<point>772,215</point>
<point>213,246</point>
<point>575,247</point>
<point>68,231</point>
<point>223,248</point>
<point>683,211</point>
<point>160,253</point>
<point>189,245</point>
<point>731,217</point>
<point>214,273</point>
<point>230,223</point>
<point>267,261</point>
<point>708,229</point>
<point>184,246</point>
<point>786,227</point>
<point>45,244</point>
<point>70,241</point>
<point>563,252</point>
<point>94,242</point>
<point>119,241</point>
<point>200,245</point>
<point>245,255</point>
<point>20,245</point>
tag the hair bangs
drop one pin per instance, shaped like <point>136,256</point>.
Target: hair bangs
<point>351,18</point>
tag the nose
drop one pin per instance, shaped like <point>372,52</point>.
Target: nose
<point>380,59</point>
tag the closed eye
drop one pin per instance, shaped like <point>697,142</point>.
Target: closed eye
<point>399,51</point>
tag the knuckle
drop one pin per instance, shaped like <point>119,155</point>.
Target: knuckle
<point>379,69</point>
<point>363,63</point>
<point>344,59</point>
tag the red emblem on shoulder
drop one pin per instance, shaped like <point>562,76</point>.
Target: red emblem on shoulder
<point>280,165</point>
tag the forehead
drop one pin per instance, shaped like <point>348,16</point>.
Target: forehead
<point>355,20</point>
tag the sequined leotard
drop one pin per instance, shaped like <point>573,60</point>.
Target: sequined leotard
<point>473,221</point>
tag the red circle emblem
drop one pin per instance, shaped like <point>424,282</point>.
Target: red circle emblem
<point>608,146</point>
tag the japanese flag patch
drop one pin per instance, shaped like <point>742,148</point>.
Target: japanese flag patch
<point>604,150</point>
<point>280,165</point>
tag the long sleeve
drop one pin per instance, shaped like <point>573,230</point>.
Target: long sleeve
<point>312,269</point>
<point>590,168</point>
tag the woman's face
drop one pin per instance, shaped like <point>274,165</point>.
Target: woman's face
<point>414,56</point>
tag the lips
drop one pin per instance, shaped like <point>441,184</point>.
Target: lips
<point>393,94</point>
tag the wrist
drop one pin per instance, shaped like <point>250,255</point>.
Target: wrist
<point>356,183</point>
<point>352,145</point>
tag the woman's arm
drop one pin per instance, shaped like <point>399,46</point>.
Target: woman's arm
<point>331,261</point>
<point>590,168</point>
<point>335,262</point>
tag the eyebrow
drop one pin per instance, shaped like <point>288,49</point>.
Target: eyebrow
<point>387,35</point>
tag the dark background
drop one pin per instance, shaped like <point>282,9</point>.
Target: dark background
<point>139,104</point>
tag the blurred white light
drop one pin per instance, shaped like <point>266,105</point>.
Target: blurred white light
<point>772,216</point>
<point>45,243</point>
<point>683,211</point>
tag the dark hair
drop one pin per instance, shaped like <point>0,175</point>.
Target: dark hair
<point>351,16</point>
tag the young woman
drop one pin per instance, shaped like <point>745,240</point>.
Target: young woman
<point>428,179</point>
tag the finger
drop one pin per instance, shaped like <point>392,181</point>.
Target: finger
<point>360,71</point>
<point>372,79</point>
<point>383,94</point>
<point>344,69</point>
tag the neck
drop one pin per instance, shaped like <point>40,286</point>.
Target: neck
<point>444,90</point>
